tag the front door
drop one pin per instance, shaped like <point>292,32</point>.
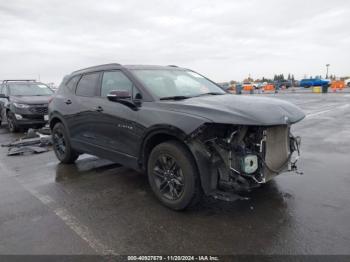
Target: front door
<point>116,126</point>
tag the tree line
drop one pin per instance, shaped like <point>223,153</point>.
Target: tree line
<point>281,77</point>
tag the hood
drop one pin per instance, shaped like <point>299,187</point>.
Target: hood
<point>239,110</point>
<point>30,100</point>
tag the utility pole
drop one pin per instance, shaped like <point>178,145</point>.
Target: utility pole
<point>327,66</point>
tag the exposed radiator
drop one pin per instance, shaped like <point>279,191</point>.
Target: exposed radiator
<point>277,150</point>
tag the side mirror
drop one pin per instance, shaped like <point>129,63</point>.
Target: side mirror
<point>124,97</point>
<point>4,96</point>
<point>118,95</point>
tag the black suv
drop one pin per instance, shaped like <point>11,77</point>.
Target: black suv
<point>24,103</point>
<point>180,128</point>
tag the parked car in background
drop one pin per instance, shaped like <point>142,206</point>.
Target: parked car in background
<point>314,82</point>
<point>347,82</point>
<point>225,85</point>
<point>258,85</point>
<point>54,88</point>
<point>24,103</point>
<point>283,84</point>
<point>188,134</point>
<point>296,83</point>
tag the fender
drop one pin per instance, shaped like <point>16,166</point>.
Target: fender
<point>56,115</point>
<point>154,131</point>
<point>205,166</point>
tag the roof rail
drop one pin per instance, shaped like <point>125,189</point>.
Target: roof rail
<point>173,65</point>
<point>18,80</point>
<point>92,67</point>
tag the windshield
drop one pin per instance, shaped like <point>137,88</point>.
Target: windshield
<point>171,83</point>
<point>30,90</point>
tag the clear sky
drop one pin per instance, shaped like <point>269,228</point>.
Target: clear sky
<point>222,39</point>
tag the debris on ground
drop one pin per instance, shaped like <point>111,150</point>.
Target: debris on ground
<point>26,149</point>
<point>34,141</point>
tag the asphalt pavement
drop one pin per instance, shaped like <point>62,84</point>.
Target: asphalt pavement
<point>99,207</point>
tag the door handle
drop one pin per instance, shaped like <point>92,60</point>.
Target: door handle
<point>99,109</point>
<point>68,102</point>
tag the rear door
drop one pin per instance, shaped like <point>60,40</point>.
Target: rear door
<point>84,105</point>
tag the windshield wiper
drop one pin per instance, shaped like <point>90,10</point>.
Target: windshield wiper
<point>174,97</point>
<point>186,97</point>
<point>211,93</point>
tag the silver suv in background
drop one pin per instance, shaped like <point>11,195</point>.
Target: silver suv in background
<point>24,103</point>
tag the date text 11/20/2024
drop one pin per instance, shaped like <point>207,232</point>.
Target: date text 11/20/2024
<point>173,258</point>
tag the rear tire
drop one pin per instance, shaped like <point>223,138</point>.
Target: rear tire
<point>173,175</point>
<point>12,122</point>
<point>62,146</point>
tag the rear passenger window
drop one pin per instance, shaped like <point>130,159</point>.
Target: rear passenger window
<point>115,80</point>
<point>72,83</point>
<point>88,84</point>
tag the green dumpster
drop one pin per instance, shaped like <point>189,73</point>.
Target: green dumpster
<point>325,89</point>
<point>238,89</point>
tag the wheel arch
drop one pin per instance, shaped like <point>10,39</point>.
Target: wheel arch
<point>154,137</point>
<point>197,150</point>
<point>54,121</point>
<point>56,118</point>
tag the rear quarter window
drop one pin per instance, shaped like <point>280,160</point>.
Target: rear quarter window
<point>72,83</point>
<point>88,85</point>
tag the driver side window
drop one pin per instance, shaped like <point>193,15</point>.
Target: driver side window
<point>115,80</point>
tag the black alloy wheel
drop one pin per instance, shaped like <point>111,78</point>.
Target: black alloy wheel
<point>173,176</point>
<point>61,145</point>
<point>168,177</point>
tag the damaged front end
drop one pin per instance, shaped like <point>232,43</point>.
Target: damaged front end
<point>233,159</point>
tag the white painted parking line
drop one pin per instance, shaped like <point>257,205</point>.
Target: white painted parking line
<point>311,115</point>
<point>71,221</point>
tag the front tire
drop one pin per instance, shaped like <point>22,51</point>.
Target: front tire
<point>62,146</point>
<point>12,122</point>
<point>173,175</point>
